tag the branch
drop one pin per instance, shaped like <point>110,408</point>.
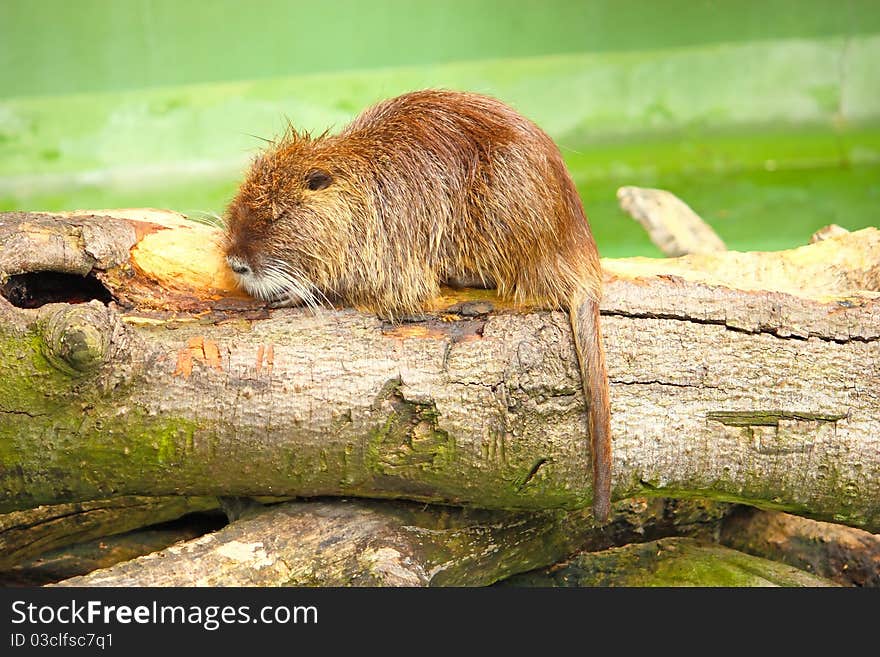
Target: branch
<point>670,222</point>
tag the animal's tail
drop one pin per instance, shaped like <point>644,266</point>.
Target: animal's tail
<point>584,313</point>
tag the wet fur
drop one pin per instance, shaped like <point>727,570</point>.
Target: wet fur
<point>425,188</point>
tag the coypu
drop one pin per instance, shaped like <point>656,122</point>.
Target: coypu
<point>419,190</point>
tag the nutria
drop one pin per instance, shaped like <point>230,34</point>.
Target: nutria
<point>419,190</point>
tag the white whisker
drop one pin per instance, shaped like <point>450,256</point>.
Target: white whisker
<point>278,279</point>
<point>208,218</point>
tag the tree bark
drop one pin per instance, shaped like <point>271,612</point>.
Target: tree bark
<point>739,376</point>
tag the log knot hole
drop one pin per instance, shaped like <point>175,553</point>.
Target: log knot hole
<point>76,339</point>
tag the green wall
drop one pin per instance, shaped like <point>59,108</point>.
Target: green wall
<point>64,46</point>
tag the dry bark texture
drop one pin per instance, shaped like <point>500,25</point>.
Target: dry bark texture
<point>740,376</point>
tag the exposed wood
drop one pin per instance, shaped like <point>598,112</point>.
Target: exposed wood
<point>671,224</point>
<point>843,554</point>
<point>742,376</point>
<point>366,543</point>
<point>831,230</point>
<point>26,534</point>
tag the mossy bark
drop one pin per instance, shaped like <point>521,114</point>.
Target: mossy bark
<point>669,562</point>
<point>83,557</point>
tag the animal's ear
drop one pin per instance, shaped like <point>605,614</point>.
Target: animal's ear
<point>318,179</point>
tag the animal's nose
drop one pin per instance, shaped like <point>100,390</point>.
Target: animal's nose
<point>238,265</point>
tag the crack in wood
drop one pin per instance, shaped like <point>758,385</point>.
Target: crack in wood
<point>534,471</point>
<point>22,412</point>
<point>769,418</point>
<point>737,329</point>
<point>662,383</point>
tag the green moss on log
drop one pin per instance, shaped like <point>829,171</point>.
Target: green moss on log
<point>65,438</point>
<point>669,562</point>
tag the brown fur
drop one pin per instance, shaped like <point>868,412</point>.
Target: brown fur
<point>421,189</point>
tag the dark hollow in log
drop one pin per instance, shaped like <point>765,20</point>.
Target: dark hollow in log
<point>35,289</point>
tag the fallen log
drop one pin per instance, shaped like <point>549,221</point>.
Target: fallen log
<point>738,376</point>
<point>85,557</point>
<point>373,543</point>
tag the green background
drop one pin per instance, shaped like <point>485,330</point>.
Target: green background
<point>763,116</point>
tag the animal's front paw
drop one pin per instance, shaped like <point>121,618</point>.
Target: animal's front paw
<point>288,301</point>
<point>472,308</point>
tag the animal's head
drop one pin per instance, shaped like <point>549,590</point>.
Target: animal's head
<point>288,227</point>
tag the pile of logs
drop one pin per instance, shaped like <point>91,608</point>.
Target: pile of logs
<point>137,386</point>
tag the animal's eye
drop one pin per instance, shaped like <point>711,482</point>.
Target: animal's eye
<point>318,179</point>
